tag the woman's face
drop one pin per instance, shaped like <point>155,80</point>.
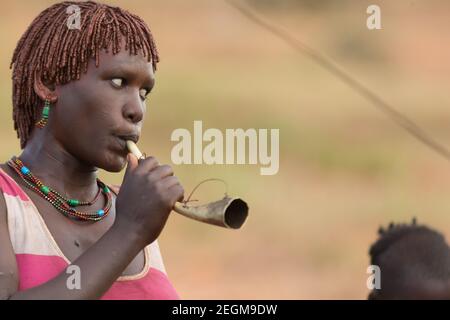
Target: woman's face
<point>94,116</point>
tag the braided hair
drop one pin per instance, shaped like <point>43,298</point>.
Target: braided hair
<point>59,54</point>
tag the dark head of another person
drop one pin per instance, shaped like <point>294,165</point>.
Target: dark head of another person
<point>414,263</point>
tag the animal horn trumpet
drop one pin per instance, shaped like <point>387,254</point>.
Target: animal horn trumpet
<point>228,212</point>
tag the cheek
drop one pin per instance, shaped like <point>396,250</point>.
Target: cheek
<point>86,106</point>
<point>84,119</point>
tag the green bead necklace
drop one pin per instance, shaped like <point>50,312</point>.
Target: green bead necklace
<point>63,204</point>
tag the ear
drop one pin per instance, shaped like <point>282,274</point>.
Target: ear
<point>44,90</point>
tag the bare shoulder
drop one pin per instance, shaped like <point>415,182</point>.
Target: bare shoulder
<point>9,279</point>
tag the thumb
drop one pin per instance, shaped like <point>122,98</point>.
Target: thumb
<point>132,163</point>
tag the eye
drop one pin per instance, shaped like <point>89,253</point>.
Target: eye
<point>143,93</point>
<point>117,82</point>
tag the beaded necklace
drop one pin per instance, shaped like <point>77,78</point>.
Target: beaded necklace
<point>62,204</point>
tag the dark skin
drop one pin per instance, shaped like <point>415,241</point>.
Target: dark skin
<point>418,290</point>
<point>90,120</point>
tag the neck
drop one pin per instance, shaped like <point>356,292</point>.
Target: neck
<point>49,161</point>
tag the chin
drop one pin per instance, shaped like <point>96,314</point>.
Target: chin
<point>113,163</point>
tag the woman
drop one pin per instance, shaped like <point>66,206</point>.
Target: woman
<point>78,94</point>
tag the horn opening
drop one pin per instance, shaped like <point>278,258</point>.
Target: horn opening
<point>236,213</point>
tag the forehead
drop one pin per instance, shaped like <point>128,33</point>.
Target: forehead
<point>123,61</point>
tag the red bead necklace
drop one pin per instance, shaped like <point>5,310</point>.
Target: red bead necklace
<point>62,204</point>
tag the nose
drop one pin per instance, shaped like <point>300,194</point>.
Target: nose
<point>133,110</point>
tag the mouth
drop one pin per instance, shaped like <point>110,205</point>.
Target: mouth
<point>132,137</point>
<point>122,139</point>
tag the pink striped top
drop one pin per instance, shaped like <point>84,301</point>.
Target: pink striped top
<point>39,258</point>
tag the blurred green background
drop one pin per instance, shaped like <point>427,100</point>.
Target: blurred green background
<point>344,167</point>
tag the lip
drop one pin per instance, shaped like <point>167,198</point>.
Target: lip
<point>122,139</point>
<point>132,137</point>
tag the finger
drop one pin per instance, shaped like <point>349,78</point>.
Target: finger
<point>132,163</point>
<point>178,192</point>
<point>170,181</point>
<point>163,171</point>
<point>148,164</point>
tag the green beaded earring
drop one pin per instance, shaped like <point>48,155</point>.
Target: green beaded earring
<point>45,111</point>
